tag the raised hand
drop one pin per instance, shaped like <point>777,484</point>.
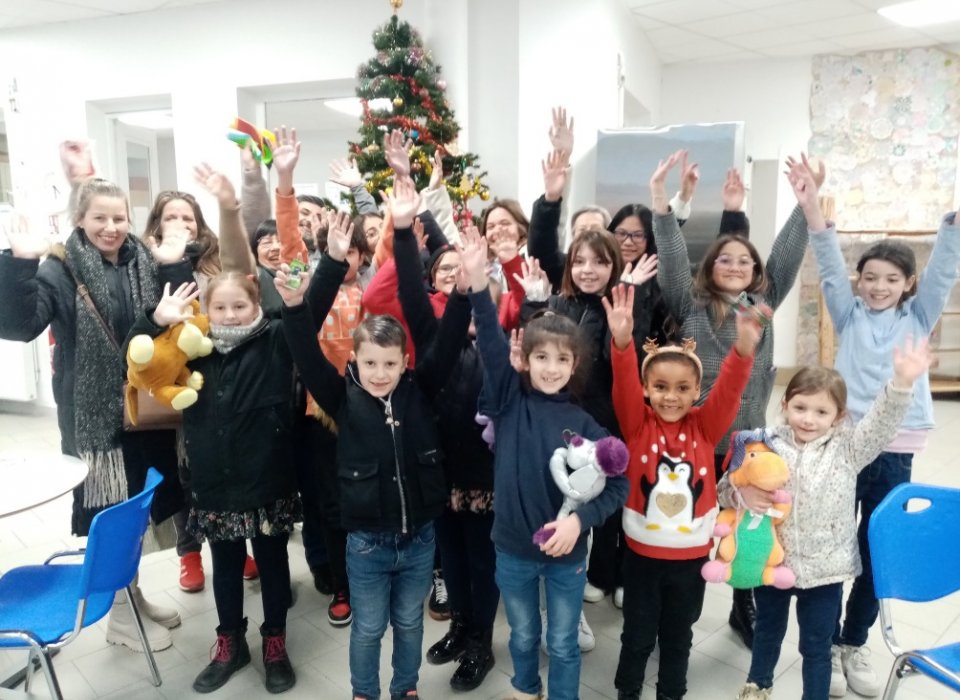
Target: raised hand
<point>658,181</point>
<point>911,361</point>
<point>516,349</point>
<point>555,170</point>
<point>339,236</point>
<point>689,177</point>
<point>436,175</point>
<point>215,183</point>
<point>346,173</point>
<point>247,159</point>
<point>291,296</point>
<point>397,153</point>
<point>173,247</point>
<point>644,270</point>
<point>473,258</point>
<point>561,131</point>
<point>533,280</point>
<point>403,202</point>
<point>805,189</point>
<point>174,308</point>
<point>420,234</point>
<point>819,173</point>
<point>620,314</point>
<point>750,323</point>
<point>733,191</point>
<point>285,157</point>
<point>23,244</point>
<point>77,161</point>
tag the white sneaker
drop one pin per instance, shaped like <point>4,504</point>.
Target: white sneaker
<point>860,674</point>
<point>168,617</point>
<point>585,637</point>
<point>121,629</point>
<point>751,691</point>
<point>592,594</point>
<point>618,597</point>
<point>838,681</point>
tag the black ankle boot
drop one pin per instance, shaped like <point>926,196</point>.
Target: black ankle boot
<point>453,643</point>
<point>743,615</point>
<point>475,663</point>
<point>230,655</point>
<point>279,672</point>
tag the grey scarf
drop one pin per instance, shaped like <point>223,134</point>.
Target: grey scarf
<point>98,391</point>
<point>226,338</point>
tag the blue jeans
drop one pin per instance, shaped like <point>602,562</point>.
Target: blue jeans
<point>390,576</point>
<point>888,470</point>
<point>519,582</point>
<point>816,615</point>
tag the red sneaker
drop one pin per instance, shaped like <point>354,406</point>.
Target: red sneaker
<point>250,571</point>
<point>339,613</point>
<point>191,572</point>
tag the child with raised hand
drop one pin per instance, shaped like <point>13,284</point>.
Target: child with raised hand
<point>670,513</point>
<point>824,454</point>
<point>891,304</point>
<point>389,464</point>
<point>239,442</point>
<point>731,275</point>
<point>530,412</point>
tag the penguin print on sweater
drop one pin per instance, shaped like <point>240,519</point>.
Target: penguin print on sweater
<point>671,497</point>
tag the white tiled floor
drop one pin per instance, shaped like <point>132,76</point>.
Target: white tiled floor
<point>89,668</point>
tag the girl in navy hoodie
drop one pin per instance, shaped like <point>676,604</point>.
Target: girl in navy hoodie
<point>530,411</point>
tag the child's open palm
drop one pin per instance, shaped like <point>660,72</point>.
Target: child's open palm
<point>175,307</point>
<point>473,258</point>
<point>346,173</point>
<point>911,361</point>
<point>533,280</point>
<point>620,314</point>
<point>339,236</point>
<point>555,170</point>
<point>516,349</point>
<point>403,202</point>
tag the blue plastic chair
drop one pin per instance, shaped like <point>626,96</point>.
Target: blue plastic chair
<point>45,607</point>
<point>916,557</point>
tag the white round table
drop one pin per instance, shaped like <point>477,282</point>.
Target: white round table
<point>30,480</point>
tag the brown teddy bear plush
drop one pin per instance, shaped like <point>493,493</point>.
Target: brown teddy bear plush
<point>158,365</point>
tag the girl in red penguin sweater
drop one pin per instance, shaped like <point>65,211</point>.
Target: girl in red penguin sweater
<point>672,505</point>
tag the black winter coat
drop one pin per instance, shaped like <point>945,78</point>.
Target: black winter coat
<point>34,296</point>
<point>389,461</point>
<point>467,458</point>
<point>239,434</point>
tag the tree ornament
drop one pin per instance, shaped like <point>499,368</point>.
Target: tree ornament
<point>414,134</point>
<point>397,102</point>
<point>416,167</point>
<point>373,148</point>
<point>485,195</point>
<point>442,84</point>
<point>396,5</point>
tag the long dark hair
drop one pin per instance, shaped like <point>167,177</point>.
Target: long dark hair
<point>646,219</point>
<point>209,261</point>
<point>707,289</point>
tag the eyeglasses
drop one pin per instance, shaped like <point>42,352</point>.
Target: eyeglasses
<point>267,241</point>
<point>447,269</point>
<point>729,261</point>
<point>624,235</point>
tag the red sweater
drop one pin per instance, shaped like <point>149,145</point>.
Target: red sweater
<point>672,505</point>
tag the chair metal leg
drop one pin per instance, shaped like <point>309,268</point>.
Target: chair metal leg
<point>148,652</point>
<point>28,670</point>
<point>893,680</point>
<point>47,665</point>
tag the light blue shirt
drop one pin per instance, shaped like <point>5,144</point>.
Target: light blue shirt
<point>867,338</point>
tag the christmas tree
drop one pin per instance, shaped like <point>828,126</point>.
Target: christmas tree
<point>401,88</point>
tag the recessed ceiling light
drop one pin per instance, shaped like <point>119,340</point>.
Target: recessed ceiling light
<point>154,119</point>
<point>920,13</point>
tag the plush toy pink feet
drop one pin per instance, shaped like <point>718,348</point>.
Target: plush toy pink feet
<point>714,571</point>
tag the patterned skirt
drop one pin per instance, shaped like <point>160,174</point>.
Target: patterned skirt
<point>270,520</point>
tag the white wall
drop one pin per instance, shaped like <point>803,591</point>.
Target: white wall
<point>772,97</point>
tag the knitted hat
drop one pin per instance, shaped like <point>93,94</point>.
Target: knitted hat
<point>434,260</point>
<point>687,349</point>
